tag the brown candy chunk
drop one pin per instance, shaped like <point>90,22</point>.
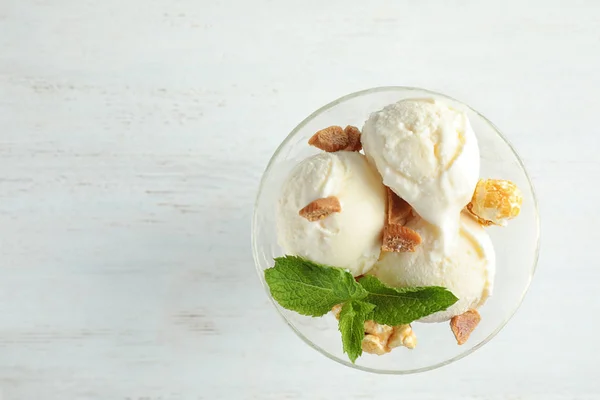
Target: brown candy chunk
<point>320,208</point>
<point>398,210</point>
<point>396,236</point>
<point>334,138</point>
<point>399,238</point>
<point>353,135</point>
<point>462,325</point>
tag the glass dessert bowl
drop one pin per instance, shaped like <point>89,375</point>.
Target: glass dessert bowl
<point>516,245</point>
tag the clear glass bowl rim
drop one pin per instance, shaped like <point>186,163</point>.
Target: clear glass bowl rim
<point>255,222</point>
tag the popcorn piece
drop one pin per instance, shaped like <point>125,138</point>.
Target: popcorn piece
<point>495,201</point>
<point>382,331</point>
<point>334,138</point>
<point>403,335</point>
<point>380,339</point>
<point>399,238</point>
<point>321,208</point>
<point>462,325</point>
<point>376,338</point>
<point>374,345</point>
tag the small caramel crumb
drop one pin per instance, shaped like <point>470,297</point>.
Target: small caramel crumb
<point>399,239</point>
<point>495,201</point>
<point>336,310</point>
<point>398,210</point>
<point>320,208</point>
<point>462,325</point>
<point>334,138</point>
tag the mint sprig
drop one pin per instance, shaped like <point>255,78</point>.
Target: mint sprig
<point>312,289</point>
<point>397,306</point>
<point>309,288</point>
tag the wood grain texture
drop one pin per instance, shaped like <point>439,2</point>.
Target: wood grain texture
<point>132,139</point>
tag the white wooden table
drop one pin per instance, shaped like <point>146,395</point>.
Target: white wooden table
<point>133,135</point>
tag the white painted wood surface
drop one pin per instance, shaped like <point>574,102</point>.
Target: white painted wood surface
<point>132,138</point>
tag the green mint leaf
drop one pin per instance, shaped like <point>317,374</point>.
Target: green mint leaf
<point>395,306</point>
<point>352,326</point>
<point>309,288</point>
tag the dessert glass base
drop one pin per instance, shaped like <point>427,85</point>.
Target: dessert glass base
<point>516,245</point>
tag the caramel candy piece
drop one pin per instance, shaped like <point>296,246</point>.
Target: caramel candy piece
<point>399,239</point>
<point>334,138</point>
<point>398,210</point>
<point>462,325</point>
<point>353,135</point>
<point>320,208</point>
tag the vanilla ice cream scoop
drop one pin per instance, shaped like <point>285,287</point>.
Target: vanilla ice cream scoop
<point>350,238</point>
<point>427,153</point>
<point>467,269</point>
